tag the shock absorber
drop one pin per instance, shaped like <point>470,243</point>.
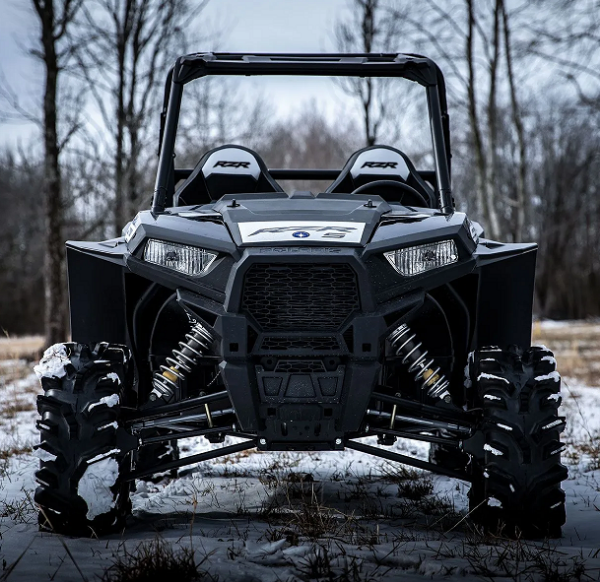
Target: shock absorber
<point>407,345</point>
<point>182,362</point>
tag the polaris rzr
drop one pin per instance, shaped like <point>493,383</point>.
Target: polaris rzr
<point>301,321</point>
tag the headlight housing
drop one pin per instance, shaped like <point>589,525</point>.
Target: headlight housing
<point>419,259</point>
<point>183,258</point>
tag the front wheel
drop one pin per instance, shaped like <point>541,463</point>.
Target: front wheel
<point>516,468</point>
<point>81,490</point>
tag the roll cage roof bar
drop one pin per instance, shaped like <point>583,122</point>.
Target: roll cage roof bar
<point>408,66</point>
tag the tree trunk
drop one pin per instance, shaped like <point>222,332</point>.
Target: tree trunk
<point>55,315</point>
<point>484,174</point>
<point>492,120</point>
<point>521,208</point>
<point>480,163</point>
<point>122,35</point>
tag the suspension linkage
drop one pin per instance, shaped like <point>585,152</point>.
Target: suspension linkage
<point>405,460</point>
<point>424,423</point>
<point>456,416</point>
<point>185,435</point>
<point>193,459</point>
<point>177,407</point>
<point>414,436</point>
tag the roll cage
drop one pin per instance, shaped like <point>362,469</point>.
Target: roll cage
<point>408,66</point>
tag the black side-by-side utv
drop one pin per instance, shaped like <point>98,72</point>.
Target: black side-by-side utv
<point>301,322</point>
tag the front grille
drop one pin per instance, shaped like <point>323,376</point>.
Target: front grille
<point>282,344</point>
<point>301,296</point>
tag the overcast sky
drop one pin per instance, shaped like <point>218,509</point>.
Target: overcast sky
<point>247,25</point>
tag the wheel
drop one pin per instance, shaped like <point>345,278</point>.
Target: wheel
<point>516,468</point>
<point>81,491</point>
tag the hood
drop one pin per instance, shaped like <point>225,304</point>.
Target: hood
<point>305,219</point>
<point>301,219</point>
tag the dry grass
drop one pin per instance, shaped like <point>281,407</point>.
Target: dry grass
<point>576,347</point>
<point>331,563</point>
<point>14,450</point>
<point>26,347</point>
<point>22,510</point>
<point>9,410</point>
<point>587,450</point>
<point>492,558</point>
<point>7,452</point>
<point>157,561</point>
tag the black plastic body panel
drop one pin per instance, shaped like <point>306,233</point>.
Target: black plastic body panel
<point>96,297</point>
<point>505,300</point>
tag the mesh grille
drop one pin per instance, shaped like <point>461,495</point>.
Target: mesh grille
<point>273,343</point>
<point>300,296</point>
<point>300,366</point>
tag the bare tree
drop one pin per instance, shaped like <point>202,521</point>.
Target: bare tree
<point>568,211</point>
<point>131,44</point>
<point>472,42</point>
<point>572,44</point>
<point>521,203</point>
<point>310,140</point>
<point>370,28</point>
<point>480,158</point>
<point>220,110</point>
<point>22,238</point>
<point>55,22</point>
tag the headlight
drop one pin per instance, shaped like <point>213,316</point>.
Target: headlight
<point>182,258</point>
<point>414,260</point>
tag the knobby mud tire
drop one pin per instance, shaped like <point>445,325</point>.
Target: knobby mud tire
<point>79,420</point>
<point>516,467</point>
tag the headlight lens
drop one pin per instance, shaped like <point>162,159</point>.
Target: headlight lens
<point>414,260</point>
<point>182,258</point>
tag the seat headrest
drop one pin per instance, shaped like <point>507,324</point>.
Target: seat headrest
<point>229,169</point>
<point>380,163</point>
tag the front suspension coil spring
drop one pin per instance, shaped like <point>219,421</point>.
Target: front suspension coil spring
<point>424,369</point>
<point>182,362</point>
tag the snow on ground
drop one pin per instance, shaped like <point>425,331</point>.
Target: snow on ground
<point>301,516</point>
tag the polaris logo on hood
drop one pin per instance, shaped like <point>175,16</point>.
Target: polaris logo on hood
<point>281,231</point>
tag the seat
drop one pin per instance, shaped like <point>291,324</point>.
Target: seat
<point>229,169</point>
<point>383,163</point>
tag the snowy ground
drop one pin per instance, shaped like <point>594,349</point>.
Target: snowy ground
<point>280,517</point>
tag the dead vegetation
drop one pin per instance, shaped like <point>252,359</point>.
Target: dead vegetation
<point>22,510</point>
<point>494,557</point>
<point>26,347</point>
<point>333,563</point>
<point>576,347</point>
<point>157,561</point>
<point>9,410</point>
<point>586,451</point>
<point>350,506</point>
<point>13,450</point>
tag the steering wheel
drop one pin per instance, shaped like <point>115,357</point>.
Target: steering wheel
<point>393,184</point>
